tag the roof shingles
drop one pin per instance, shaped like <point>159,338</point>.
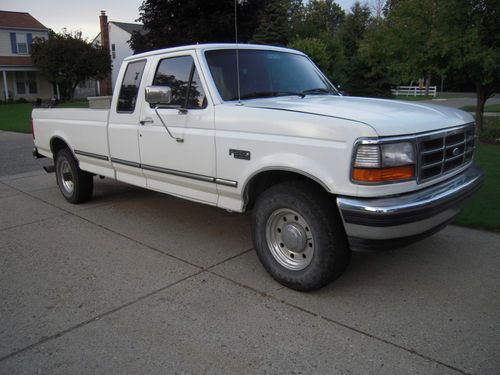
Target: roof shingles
<point>19,20</point>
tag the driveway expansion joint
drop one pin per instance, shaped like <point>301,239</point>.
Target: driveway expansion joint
<point>332,321</point>
<point>97,317</point>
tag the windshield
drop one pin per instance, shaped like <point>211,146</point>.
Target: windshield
<point>265,73</point>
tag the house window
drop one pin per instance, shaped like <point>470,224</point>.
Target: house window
<point>26,83</point>
<point>113,51</point>
<point>31,82</point>
<point>20,84</point>
<point>22,44</point>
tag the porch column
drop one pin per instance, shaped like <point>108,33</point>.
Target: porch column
<point>5,87</point>
<point>58,94</point>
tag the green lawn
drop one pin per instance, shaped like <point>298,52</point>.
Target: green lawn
<point>487,108</point>
<point>16,117</point>
<point>483,210</point>
<point>83,104</point>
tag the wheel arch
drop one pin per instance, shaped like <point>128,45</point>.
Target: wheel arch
<point>264,178</point>
<point>58,143</point>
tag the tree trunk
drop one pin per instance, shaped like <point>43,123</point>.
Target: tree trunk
<point>72,93</point>
<point>481,97</point>
<point>427,84</point>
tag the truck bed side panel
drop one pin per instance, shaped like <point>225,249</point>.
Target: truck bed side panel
<point>83,130</point>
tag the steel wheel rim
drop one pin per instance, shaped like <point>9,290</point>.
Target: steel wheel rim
<point>290,239</point>
<point>66,176</point>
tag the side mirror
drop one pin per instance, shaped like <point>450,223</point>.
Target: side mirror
<point>158,95</point>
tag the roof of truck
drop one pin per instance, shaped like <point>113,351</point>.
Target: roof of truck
<point>211,46</point>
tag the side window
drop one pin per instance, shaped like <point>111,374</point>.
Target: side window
<point>179,73</point>
<point>130,86</point>
<point>197,97</point>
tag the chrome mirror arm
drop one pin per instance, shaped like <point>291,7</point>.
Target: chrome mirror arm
<point>180,140</point>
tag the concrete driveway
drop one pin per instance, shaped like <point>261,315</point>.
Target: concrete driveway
<point>138,282</point>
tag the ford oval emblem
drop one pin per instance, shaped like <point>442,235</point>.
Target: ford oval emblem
<point>456,151</point>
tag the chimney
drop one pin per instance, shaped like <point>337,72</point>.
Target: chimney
<point>105,83</point>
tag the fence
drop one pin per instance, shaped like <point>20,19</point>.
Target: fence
<point>413,91</point>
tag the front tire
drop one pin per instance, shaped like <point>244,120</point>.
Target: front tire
<point>299,236</point>
<point>75,185</point>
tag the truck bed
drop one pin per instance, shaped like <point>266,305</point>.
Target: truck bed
<point>81,128</point>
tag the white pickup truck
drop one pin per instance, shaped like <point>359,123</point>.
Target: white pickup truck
<point>261,128</point>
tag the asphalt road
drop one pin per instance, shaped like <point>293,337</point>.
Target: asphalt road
<point>140,282</point>
<point>460,102</point>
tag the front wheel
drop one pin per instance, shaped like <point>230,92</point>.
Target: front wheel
<point>75,185</point>
<point>299,237</point>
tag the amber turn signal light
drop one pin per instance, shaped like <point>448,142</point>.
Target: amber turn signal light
<point>383,174</point>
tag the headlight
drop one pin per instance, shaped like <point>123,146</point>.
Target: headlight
<point>396,154</point>
<point>384,162</point>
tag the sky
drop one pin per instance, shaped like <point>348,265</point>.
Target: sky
<point>83,15</point>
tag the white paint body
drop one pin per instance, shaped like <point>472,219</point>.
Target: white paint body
<point>313,136</point>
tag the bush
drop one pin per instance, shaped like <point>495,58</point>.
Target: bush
<point>491,130</point>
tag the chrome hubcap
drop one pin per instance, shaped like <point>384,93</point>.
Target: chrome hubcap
<point>66,176</point>
<point>294,237</point>
<point>290,239</point>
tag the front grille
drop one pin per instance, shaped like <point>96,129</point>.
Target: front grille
<point>441,153</point>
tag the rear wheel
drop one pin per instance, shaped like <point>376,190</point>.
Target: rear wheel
<point>75,185</point>
<point>299,236</point>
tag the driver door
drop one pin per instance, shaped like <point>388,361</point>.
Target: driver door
<point>186,168</point>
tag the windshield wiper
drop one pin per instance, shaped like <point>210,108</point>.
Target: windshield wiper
<point>317,91</point>
<point>267,94</point>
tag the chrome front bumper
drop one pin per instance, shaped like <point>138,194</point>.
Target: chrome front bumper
<point>399,220</point>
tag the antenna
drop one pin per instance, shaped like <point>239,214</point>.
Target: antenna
<point>237,49</point>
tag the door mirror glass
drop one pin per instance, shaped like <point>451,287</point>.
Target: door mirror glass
<point>159,95</point>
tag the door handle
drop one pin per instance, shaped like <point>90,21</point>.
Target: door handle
<point>146,121</point>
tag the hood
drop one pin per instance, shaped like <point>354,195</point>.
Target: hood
<point>386,117</point>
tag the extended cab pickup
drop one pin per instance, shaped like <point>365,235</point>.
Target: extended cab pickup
<point>261,128</point>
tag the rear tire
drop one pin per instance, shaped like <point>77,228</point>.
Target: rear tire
<point>299,236</point>
<point>76,185</point>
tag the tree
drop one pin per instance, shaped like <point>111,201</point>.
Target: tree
<point>67,59</point>
<point>430,37</point>
<point>326,53</point>
<point>274,23</point>
<point>169,23</point>
<point>354,27</point>
<point>317,17</point>
<point>364,75</point>
<point>472,47</point>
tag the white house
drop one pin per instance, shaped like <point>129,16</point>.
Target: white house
<point>118,35</point>
<point>18,76</point>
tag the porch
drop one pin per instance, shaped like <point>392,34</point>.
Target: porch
<point>24,82</point>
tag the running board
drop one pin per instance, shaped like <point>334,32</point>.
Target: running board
<point>49,169</point>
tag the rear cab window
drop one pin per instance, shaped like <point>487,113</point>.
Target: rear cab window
<point>130,86</point>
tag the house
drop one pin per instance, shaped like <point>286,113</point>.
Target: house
<point>115,36</point>
<point>18,76</point>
